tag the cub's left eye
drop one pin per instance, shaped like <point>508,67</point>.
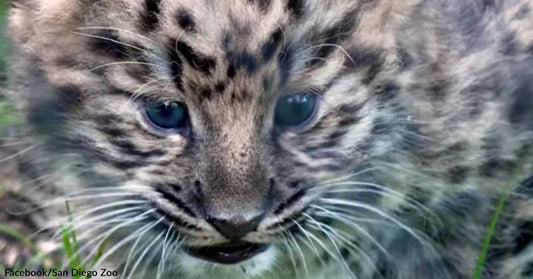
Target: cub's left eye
<point>295,109</point>
<point>167,115</point>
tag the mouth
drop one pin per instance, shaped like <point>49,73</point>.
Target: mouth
<point>229,253</point>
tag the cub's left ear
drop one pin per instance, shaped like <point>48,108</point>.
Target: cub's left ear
<point>27,17</point>
<point>21,15</point>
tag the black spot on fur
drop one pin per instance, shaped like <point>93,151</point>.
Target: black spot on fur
<point>388,92</point>
<point>266,84</point>
<point>206,65</point>
<point>458,174</point>
<point>121,164</point>
<point>243,60</point>
<point>110,131</point>
<point>296,8</point>
<point>294,184</point>
<point>105,119</point>
<point>206,93</point>
<point>185,20</point>
<point>149,17</point>
<point>364,57</point>
<point>524,237</point>
<point>110,45</point>
<point>285,61</point>
<point>176,67</point>
<point>495,167</point>
<point>528,183</point>
<point>337,135</point>
<point>264,5</point>
<point>438,89</point>
<point>348,115</point>
<point>371,73</point>
<point>334,35</point>
<point>220,87</point>
<point>521,111</point>
<point>232,72</point>
<point>345,252</point>
<point>269,48</point>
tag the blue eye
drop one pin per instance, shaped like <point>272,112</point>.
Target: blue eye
<point>167,115</point>
<point>294,109</point>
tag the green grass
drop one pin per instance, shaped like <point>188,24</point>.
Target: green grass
<point>516,178</point>
<point>69,250</point>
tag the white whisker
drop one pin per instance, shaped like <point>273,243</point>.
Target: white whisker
<point>123,63</point>
<point>117,42</point>
<point>376,211</point>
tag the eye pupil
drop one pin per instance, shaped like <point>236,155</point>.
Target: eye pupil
<point>167,115</point>
<point>294,109</point>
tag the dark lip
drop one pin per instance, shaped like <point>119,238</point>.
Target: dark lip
<point>229,253</point>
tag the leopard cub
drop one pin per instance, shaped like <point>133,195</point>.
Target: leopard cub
<point>280,138</point>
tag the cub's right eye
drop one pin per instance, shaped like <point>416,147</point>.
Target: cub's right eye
<point>167,115</point>
<point>295,110</point>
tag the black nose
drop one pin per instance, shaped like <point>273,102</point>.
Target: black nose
<point>236,227</point>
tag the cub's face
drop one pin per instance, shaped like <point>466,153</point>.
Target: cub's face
<point>220,121</point>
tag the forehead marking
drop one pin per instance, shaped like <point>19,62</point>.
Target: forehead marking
<point>185,20</point>
<point>243,60</point>
<point>149,17</point>
<point>176,67</point>
<point>204,64</point>
<point>296,8</point>
<point>269,48</point>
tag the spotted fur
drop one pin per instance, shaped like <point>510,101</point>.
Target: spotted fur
<point>425,119</point>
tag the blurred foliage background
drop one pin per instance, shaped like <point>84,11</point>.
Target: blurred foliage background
<point>3,41</point>
<point>6,111</point>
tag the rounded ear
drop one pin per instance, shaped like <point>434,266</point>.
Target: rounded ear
<point>28,15</point>
<point>21,16</point>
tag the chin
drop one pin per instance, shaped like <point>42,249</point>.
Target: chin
<point>258,266</point>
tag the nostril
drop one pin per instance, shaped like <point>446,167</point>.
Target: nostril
<point>235,227</point>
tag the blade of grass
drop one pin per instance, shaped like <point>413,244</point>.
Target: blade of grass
<point>516,178</point>
<point>68,250</point>
<point>99,254</point>
<point>75,245</point>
